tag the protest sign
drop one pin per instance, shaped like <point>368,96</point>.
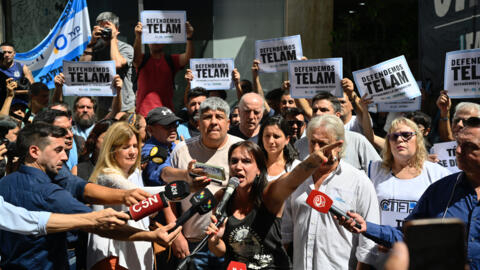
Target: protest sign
<point>391,80</point>
<point>406,105</point>
<point>163,27</point>
<point>275,53</point>
<point>309,77</point>
<point>462,79</point>
<point>212,73</point>
<point>446,154</point>
<point>89,78</point>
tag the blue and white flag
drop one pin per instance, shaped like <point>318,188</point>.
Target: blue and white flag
<point>66,41</point>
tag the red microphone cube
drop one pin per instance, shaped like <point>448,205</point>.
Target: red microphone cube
<point>319,201</point>
<point>233,265</point>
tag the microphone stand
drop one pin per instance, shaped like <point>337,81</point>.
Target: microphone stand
<point>185,262</point>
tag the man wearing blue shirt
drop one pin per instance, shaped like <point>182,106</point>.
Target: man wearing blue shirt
<point>454,196</point>
<point>31,187</point>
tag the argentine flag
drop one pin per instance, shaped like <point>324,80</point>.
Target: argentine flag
<point>66,41</point>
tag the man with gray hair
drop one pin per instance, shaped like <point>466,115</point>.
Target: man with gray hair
<point>105,45</point>
<point>312,232</point>
<point>211,147</point>
<point>250,109</point>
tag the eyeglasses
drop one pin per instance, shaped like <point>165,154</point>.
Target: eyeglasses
<point>472,122</point>
<point>295,122</point>
<point>406,136</point>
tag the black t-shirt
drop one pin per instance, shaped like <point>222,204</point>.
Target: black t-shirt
<point>235,131</point>
<point>256,241</point>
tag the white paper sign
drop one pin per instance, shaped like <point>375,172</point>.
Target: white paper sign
<point>275,53</point>
<point>446,155</point>
<point>391,80</point>
<point>309,77</point>
<point>89,78</point>
<point>163,27</point>
<point>212,73</point>
<point>462,74</point>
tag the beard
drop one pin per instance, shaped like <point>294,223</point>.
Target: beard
<point>84,123</point>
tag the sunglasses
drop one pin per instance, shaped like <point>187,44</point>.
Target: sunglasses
<point>472,122</point>
<point>406,136</point>
<point>295,122</point>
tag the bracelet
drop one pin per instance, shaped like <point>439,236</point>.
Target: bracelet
<point>189,38</point>
<point>444,118</point>
<point>88,53</point>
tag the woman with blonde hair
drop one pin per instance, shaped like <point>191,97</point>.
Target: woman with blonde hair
<point>404,172</point>
<point>118,167</point>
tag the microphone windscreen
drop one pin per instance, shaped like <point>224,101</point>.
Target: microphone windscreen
<point>234,182</point>
<point>319,201</point>
<point>233,265</point>
<point>200,197</point>
<point>148,206</point>
<point>177,190</point>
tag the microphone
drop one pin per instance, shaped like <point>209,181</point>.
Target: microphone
<point>233,265</point>
<point>232,185</point>
<point>324,204</point>
<point>157,154</point>
<point>202,203</point>
<point>174,191</point>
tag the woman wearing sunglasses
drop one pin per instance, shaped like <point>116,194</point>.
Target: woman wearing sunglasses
<point>281,156</point>
<point>404,173</point>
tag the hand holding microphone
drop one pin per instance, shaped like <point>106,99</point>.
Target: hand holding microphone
<point>324,204</point>
<point>174,191</point>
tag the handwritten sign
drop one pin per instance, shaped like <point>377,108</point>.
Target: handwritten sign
<point>462,74</point>
<point>309,77</point>
<point>391,80</point>
<point>89,78</point>
<point>163,27</point>
<point>212,73</point>
<point>274,54</point>
<point>446,155</point>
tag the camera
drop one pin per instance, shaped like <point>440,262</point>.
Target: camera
<point>106,33</point>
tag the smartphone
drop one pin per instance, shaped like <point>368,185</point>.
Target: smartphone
<point>216,173</point>
<point>436,244</point>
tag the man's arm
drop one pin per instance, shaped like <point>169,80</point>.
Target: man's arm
<point>28,74</point>
<point>97,194</point>
<point>115,55</point>
<point>88,53</point>
<point>188,78</point>
<point>185,57</point>
<point>117,83</point>
<point>444,104</point>
<point>137,46</point>
<point>11,85</point>
<point>59,81</point>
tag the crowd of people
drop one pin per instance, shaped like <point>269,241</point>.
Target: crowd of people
<point>70,173</point>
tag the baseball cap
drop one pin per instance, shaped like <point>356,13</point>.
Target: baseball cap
<point>162,116</point>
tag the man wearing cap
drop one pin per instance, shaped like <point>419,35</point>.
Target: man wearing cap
<point>104,45</point>
<point>162,125</point>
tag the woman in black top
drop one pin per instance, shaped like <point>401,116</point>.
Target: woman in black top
<point>251,233</point>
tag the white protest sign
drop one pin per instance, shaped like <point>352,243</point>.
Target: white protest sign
<point>446,155</point>
<point>212,73</point>
<point>462,79</point>
<point>275,53</point>
<point>391,80</point>
<point>163,27</point>
<point>406,105</point>
<point>309,77</point>
<point>88,78</point>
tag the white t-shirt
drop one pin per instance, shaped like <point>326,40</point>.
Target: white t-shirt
<point>397,197</point>
<point>289,169</point>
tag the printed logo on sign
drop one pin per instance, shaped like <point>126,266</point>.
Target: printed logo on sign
<point>319,201</point>
<point>60,43</point>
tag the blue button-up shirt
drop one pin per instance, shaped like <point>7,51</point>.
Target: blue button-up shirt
<point>33,190</point>
<point>463,205</point>
<point>152,174</point>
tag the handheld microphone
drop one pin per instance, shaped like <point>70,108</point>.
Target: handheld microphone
<point>324,204</point>
<point>232,185</point>
<point>202,203</point>
<point>157,155</point>
<point>233,265</point>
<point>174,191</point>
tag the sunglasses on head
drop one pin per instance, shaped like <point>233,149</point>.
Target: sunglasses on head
<point>297,122</point>
<point>406,135</point>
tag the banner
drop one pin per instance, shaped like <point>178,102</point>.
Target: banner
<point>309,77</point>
<point>66,41</point>
<point>212,73</point>
<point>446,154</point>
<point>462,74</point>
<point>92,78</point>
<point>274,54</point>
<point>391,80</point>
<point>163,27</point>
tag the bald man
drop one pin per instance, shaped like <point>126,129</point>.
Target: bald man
<point>250,108</point>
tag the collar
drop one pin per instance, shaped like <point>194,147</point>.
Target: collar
<point>36,174</point>
<point>154,141</point>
